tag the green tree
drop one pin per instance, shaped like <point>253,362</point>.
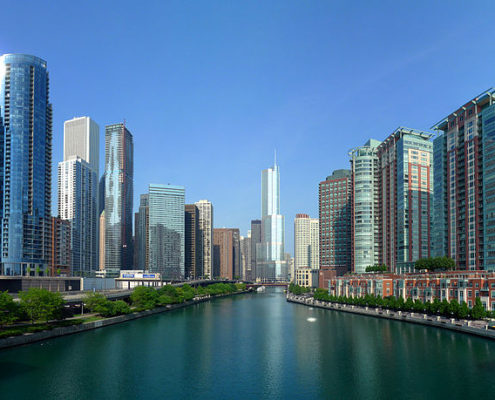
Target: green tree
<point>478,311</point>
<point>463,311</point>
<point>454,307</point>
<point>42,304</point>
<point>409,306</point>
<point>8,309</point>
<point>144,297</point>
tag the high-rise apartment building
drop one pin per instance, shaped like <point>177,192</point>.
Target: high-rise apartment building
<point>166,231</point>
<point>365,207</point>
<point>119,175</point>
<point>226,250</point>
<point>194,249</point>
<point>255,239</point>
<point>245,245</point>
<point>464,176</point>
<point>25,164</point>
<point>78,191</point>
<point>406,198</point>
<point>60,255</point>
<point>205,209</point>
<point>306,242</point>
<point>141,234</point>
<point>102,242</point>
<point>270,262</point>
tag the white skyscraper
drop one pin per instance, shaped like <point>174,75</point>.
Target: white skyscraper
<point>271,264</point>
<point>78,191</point>
<point>206,229</point>
<point>306,242</point>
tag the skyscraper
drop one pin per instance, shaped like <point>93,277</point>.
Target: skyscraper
<point>78,191</point>
<point>166,231</point>
<point>194,250</point>
<point>365,231</point>
<point>119,172</point>
<point>464,176</point>
<point>255,239</point>
<point>25,164</point>
<point>306,242</point>
<point>226,248</point>
<point>335,196</point>
<point>270,263</point>
<point>141,228</point>
<point>245,244</point>
<point>205,209</point>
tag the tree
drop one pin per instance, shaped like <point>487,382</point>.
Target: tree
<point>463,311</point>
<point>478,311</point>
<point>42,304</point>
<point>454,307</point>
<point>8,309</point>
<point>409,306</point>
<point>144,297</point>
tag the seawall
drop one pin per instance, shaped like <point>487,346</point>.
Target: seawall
<point>28,338</point>
<point>478,328</point>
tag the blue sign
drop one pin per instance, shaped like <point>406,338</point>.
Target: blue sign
<point>127,275</point>
<point>148,275</point>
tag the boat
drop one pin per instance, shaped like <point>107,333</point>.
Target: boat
<point>261,289</point>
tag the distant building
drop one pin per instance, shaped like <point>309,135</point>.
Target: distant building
<point>307,277</point>
<point>255,241</point>
<point>205,209</point>
<point>226,250</point>
<point>119,175</point>
<point>245,245</point>
<point>306,242</point>
<point>193,243</point>
<point>60,257</point>
<point>166,231</point>
<point>25,164</point>
<point>270,262</point>
<point>141,228</point>
<point>102,242</point>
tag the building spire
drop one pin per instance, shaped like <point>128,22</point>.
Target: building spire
<point>275,158</point>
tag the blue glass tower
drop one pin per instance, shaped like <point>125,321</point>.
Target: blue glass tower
<point>25,163</point>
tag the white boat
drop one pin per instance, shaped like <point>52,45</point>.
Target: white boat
<point>261,289</point>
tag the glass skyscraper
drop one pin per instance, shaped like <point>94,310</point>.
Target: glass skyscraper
<point>25,164</point>
<point>166,230</point>
<point>270,264</point>
<point>119,173</point>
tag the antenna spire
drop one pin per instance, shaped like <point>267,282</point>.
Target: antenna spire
<point>275,158</point>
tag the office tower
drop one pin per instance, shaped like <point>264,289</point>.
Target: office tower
<point>60,255</point>
<point>464,176</point>
<point>102,242</point>
<point>406,198</point>
<point>270,263</point>
<point>245,244</point>
<point>141,229</point>
<point>119,172</point>
<point>194,250</point>
<point>226,250</point>
<point>25,164</point>
<point>101,194</point>
<point>365,210</point>
<point>255,239</point>
<point>205,209</point>
<point>78,192</point>
<point>306,242</point>
<point>166,231</point>
<point>335,206</point>
<point>291,269</point>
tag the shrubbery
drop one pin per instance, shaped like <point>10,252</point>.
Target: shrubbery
<point>296,289</point>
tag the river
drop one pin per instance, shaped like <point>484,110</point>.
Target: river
<point>253,346</point>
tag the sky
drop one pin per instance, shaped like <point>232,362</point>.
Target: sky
<point>209,89</point>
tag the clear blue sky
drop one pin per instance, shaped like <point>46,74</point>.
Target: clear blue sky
<point>210,88</point>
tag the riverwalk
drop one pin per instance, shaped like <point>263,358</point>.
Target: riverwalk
<point>478,328</point>
<point>28,338</point>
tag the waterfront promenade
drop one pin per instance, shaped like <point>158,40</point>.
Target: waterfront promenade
<point>479,328</point>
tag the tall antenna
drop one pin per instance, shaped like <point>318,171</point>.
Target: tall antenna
<point>275,157</point>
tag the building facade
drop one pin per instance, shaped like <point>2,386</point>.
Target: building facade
<point>194,250</point>
<point>255,240</point>
<point>205,209</point>
<point>166,231</point>
<point>245,244</point>
<point>25,164</point>
<point>141,231</point>
<point>119,175</point>
<point>335,212</point>
<point>60,258</point>
<point>270,260</point>
<point>227,254</point>
<point>306,242</point>
<point>465,184</point>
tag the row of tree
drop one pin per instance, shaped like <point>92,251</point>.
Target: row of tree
<point>435,263</point>
<point>452,309</point>
<point>43,305</point>
<point>296,289</point>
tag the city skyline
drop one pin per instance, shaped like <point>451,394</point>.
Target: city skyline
<point>216,86</point>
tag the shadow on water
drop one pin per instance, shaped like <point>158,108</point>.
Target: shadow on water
<point>11,369</point>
